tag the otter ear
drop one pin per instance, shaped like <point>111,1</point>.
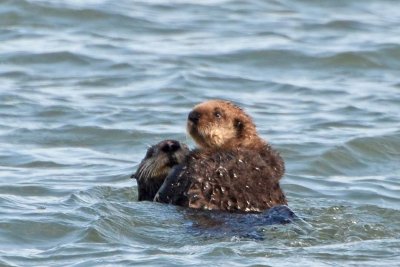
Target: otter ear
<point>238,126</point>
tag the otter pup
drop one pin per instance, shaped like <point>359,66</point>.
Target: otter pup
<point>233,169</point>
<point>156,165</point>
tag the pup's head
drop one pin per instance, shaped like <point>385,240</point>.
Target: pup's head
<point>159,160</point>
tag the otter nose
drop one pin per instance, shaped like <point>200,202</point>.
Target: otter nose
<point>194,116</point>
<point>170,146</point>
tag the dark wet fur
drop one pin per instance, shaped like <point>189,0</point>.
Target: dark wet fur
<point>147,190</point>
<point>240,180</point>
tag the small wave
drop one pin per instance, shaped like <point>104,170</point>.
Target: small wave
<point>51,58</point>
<point>72,135</point>
<point>25,232</point>
<point>360,155</point>
<point>15,75</point>
<point>381,56</point>
<point>381,147</point>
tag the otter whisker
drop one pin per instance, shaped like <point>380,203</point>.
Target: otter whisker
<point>148,171</point>
<point>145,170</point>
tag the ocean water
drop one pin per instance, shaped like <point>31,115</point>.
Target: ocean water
<point>86,86</point>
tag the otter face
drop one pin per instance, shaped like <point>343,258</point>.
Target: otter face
<point>220,124</point>
<point>160,159</point>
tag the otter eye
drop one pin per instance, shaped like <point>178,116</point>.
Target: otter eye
<point>217,114</point>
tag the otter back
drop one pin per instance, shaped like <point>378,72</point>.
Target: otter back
<point>232,180</point>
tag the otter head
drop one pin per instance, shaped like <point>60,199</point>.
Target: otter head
<point>158,162</point>
<point>221,124</point>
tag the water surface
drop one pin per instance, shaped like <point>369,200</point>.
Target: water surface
<point>86,86</point>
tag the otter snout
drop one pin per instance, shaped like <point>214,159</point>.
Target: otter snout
<point>170,146</point>
<point>194,116</point>
<point>155,166</point>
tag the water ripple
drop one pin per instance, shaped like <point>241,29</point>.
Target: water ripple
<point>86,86</point>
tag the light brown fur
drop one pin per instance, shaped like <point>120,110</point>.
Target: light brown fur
<point>223,125</point>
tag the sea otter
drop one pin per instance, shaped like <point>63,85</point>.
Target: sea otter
<point>156,165</point>
<point>232,170</point>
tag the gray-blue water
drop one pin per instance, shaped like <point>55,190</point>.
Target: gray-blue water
<point>86,86</point>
